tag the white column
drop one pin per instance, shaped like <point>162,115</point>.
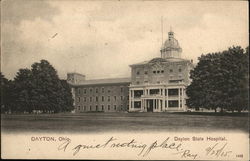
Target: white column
<point>183,98</point>
<point>167,96</point>
<point>164,99</point>
<point>157,104</point>
<point>141,104</point>
<point>153,104</point>
<point>130,100</point>
<point>179,99</point>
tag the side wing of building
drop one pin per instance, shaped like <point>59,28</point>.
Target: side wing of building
<point>100,95</point>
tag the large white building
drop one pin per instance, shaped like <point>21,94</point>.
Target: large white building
<point>159,84</point>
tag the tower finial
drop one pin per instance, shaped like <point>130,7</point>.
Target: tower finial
<point>161,30</point>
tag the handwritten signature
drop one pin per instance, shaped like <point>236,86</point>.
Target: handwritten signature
<point>218,151</point>
<point>145,149</point>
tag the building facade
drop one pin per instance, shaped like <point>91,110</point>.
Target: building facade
<point>160,84</point>
<point>99,95</point>
<point>157,85</point>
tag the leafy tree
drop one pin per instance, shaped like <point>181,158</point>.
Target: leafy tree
<point>40,89</point>
<point>48,88</point>
<point>22,91</point>
<point>67,95</point>
<point>220,80</point>
<point>5,93</point>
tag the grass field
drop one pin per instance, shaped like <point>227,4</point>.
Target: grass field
<point>119,122</point>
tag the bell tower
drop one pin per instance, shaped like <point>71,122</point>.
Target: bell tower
<point>171,47</point>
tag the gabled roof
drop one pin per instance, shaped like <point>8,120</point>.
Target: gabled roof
<point>163,60</point>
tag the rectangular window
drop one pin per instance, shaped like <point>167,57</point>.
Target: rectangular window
<point>79,99</point>
<point>102,98</point>
<point>146,72</point>
<point>96,90</point>
<point>108,98</point>
<point>90,90</point>
<point>102,89</point>
<point>84,108</point>
<point>121,89</point>
<point>170,70</point>
<point>138,93</point>
<point>154,71</point>
<point>90,99</point>
<point>90,108</point>
<point>96,107</point>
<point>79,108</point>
<point>115,98</point>
<point>102,107</point>
<point>180,70</point>
<point>115,107</point>
<point>137,104</point>
<point>173,103</point>
<point>108,107</point>
<point>162,71</point>
<point>85,99</point>
<point>84,90</point>
<point>96,99</point>
<point>154,91</point>
<point>173,92</point>
<point>137,72</point>
<point>108,91</point>
<point>79,91</point>
<point>121,98</point>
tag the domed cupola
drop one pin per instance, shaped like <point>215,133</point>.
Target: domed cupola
<point>171,47</point>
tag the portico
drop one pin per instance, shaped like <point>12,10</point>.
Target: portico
<point>157,98</point>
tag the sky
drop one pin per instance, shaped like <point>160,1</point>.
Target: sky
<point>100,39</point>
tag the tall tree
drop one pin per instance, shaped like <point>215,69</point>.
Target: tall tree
<point>67,96</point>
<point>220,80</point>
<point>23,91</point>
<point>5,93</point>
<point>41,89</point>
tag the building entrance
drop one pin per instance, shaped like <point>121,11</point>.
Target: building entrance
<point>150,106</point>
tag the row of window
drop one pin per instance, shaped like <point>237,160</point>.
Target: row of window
<point>169,92</point>
<point>170,103</point>
<point>96,90</point>
<point>96,108</point>
<point>157,71</point>
<point>102,98</point>
<point>158,82</point>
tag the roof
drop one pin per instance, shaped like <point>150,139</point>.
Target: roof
<point>76,73</point>
<point>104,81</point>
<point>164,60</point>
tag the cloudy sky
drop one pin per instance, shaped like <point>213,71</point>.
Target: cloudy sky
<point>101,39</point>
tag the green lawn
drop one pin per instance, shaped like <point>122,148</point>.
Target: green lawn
<point>135,122</point>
